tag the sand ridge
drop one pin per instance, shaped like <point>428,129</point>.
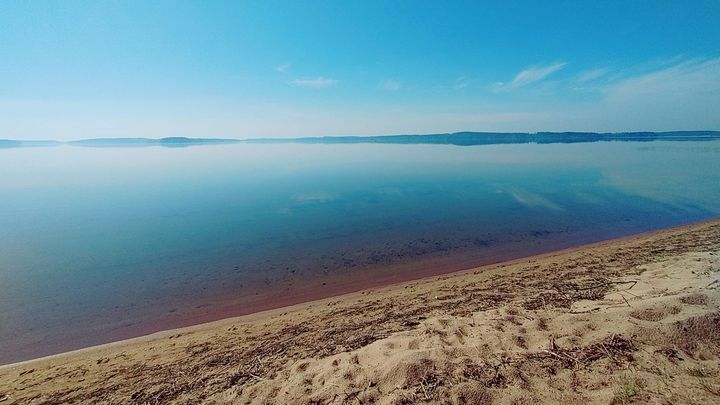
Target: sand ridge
<point>627,320</point>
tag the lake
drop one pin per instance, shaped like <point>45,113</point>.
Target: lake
<point>104,243</point>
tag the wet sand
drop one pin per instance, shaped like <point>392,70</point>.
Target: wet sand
<point>471,334</point>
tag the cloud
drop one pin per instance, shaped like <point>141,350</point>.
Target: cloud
<point>590,75</point>
<point>461,83</point>
<point>315,83</point>
<point>691,80</point>
<point>534,74</point>
<point>390,85</point>
<point>685,95</point>
<point>283,67</point>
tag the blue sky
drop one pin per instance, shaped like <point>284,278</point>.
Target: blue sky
<point>78,69</point>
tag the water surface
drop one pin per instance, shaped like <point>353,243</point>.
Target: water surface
<point>98,244</point>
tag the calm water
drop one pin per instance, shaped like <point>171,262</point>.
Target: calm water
<point>98,244</point>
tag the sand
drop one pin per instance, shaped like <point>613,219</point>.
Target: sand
<point>630,320</point>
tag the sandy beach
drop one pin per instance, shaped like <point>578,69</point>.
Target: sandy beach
<point>630,320</point>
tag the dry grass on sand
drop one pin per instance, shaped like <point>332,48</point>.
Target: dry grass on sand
<point>629,321</point>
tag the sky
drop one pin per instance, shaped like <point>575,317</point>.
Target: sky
<point>243,69</point>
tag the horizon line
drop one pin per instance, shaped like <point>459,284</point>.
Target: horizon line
<point>214,138</point>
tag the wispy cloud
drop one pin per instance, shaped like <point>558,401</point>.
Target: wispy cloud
<point>282,68</point>
<point>682,96</point>
<point>535,73</point>
<point>315,83</point>
<point>531,75</point>
<point>695,79</point>
<point>654,96</point>
<point>461,83</point>
<point>390,85</point>
<point>590,75</point>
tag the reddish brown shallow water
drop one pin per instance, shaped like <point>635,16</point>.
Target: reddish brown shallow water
<point>297,290</point>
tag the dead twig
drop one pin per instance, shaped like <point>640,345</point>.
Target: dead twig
<point>422,384</point>
<point>624,299</point>
<point>606,283</point>
<point>584,312</point>
<point>708,388</point>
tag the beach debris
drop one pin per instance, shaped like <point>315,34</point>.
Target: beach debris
<point>695,299</point>
<point>617,348</point>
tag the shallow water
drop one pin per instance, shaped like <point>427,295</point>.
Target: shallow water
<point>98,244</point>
